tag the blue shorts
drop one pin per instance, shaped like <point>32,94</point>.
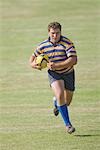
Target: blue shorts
<point>68,78</point>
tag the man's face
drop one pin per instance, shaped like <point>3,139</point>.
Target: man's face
<point>54,35</point>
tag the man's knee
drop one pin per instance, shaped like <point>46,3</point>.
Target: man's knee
<point>68,100</point>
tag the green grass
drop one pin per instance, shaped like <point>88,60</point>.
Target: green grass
<point>26,118</point>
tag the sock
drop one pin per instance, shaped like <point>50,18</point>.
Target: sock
<point>64,113</point>
<point>55,102</point>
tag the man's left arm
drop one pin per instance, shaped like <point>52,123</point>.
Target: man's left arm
<point>71,61</point>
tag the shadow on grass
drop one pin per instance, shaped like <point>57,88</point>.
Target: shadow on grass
<point>86,135</point>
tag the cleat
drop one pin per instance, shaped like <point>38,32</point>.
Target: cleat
<point>70,129</point>
<point>56,111</point>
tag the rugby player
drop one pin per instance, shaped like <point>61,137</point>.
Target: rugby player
<point>61,73</point>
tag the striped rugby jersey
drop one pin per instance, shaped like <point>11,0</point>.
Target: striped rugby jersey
<point>57,53</point>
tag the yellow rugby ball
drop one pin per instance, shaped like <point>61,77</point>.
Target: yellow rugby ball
<point>42,60</point>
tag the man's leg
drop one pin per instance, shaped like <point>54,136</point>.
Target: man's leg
<point>68,96</point>
<point>55,110</point>
<point>68,99</point>
<point>58,89</point>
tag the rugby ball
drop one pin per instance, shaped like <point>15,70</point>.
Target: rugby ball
<point>42,60</point>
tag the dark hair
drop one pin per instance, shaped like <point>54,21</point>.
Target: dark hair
<point>54,25</point>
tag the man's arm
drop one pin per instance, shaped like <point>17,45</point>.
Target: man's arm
<point>67,63</point>
<point>33,64</point>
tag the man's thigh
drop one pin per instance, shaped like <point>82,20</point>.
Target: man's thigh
<point>58,89</point>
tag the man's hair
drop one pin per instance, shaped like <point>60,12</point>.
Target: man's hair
<point>54,25</point>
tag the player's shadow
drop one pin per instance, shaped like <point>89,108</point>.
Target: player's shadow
<point>86,135</point>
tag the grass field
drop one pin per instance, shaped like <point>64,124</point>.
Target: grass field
<point>26,118</point>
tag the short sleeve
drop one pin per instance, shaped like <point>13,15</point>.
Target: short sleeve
<point>37,52</point>
<point>70,50</point>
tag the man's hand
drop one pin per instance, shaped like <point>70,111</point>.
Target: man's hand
<point>35,65</point>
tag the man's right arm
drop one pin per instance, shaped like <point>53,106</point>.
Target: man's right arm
<point>33,64</point>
